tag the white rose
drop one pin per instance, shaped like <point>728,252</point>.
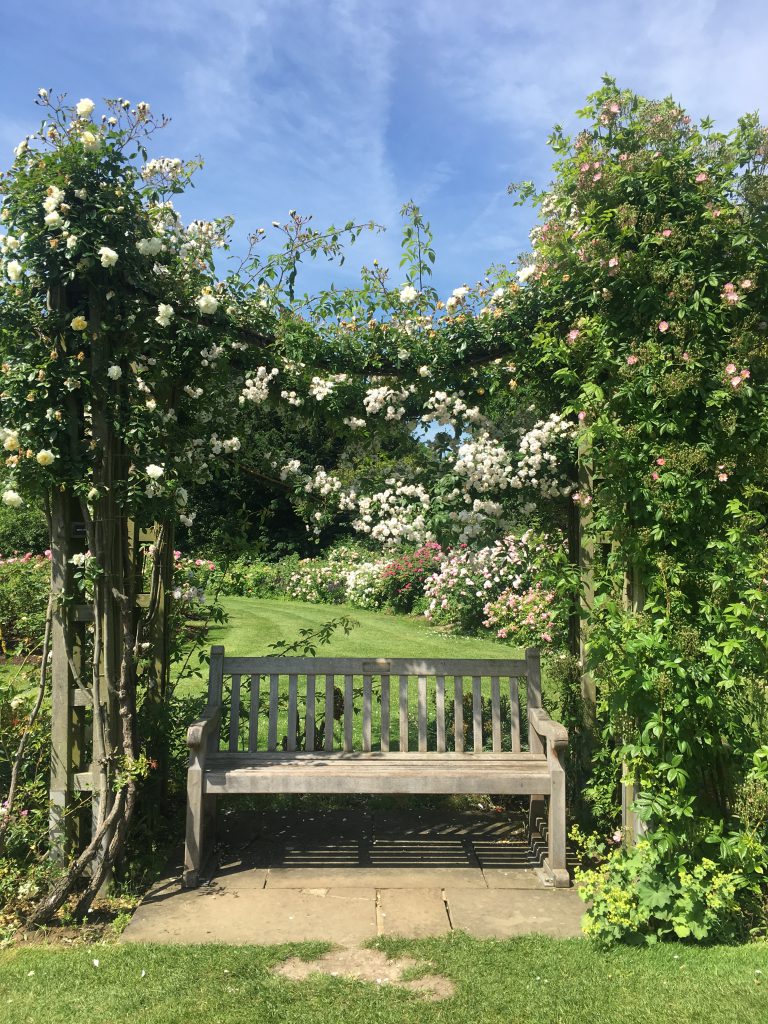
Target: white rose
<point>72,242</point>
<point>452,303</point>
<point>164,314</point>
<point>207,303</point>
<point>460,293</point>
<point>14,270</point>
<point>149,246</point>
<point>525,272</point>
<point>45,457</point>
<point>114,372</point>
<point>107,256</point>
<point>85,107</point>
<point>22,147</point>
<point>89,140</point>
<point>53,219</point>
<point>78,323</point>
<point>154,472</point>
<point>408,293</point>
<point>12,498</point>
<point>11,441</point>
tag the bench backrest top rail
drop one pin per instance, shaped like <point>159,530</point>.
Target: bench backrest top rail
<point>333,703</point>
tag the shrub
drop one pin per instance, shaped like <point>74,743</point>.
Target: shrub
<point>22,529</point>
<point>24,584</point>
<point>402,580</point>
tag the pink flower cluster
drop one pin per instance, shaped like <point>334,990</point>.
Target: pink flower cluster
<point>735,376</point>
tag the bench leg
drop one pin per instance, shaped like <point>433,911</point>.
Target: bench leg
<point>556,826</point>
<point>536,812</point>
<point>201,815</point>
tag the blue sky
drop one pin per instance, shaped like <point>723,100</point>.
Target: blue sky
<point>348,108</point>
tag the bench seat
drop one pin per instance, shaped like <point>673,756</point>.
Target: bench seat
<point>374,772</point>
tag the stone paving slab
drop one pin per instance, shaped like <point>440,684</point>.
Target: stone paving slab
<point>512,878</point>
<point>258,917</point>
<point>381,878</point>
<point>502,913</point>
<point>413,914</point>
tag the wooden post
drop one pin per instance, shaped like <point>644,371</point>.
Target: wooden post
<point>632,825</point>
<point>69,746</point>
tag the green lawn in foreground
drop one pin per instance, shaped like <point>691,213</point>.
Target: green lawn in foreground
<point>518,981</point>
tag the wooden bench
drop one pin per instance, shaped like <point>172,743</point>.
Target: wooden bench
<point>275,734</point>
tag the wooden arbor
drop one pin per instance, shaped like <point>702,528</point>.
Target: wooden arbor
<point>85,747</point>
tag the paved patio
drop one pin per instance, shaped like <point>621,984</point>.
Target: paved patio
<point>352,875</point>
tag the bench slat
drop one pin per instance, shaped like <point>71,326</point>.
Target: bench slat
<point>367,700</point>
<point>440,712</point>
<point>403,733</point>
<point>364,666</point>
<point>309,720</point>
<point>253,715</point>
<point>477,715</point>
<point>458,713</point>
<point>385,713</point>
<point>496,713</point>
<point>514,712</point>
<point>329,695</point>
<point>274,682</point>
<point>293,697</point>
<point>234,714</point>
<point>348,712</point>
<point>422,712</point>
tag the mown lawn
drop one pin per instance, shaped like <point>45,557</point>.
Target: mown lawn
<point>515,982</point>
<point>255,623</point>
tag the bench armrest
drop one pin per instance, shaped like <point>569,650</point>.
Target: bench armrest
<point>555,734</point>
<point>198,732</point>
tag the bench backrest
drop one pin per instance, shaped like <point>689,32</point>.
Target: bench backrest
<point>368,704</point>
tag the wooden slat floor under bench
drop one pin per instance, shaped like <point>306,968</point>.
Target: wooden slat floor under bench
<point>390,725</point>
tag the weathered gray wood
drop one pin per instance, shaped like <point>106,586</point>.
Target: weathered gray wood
<point>364,666</point>
<point>349,710</point>
<point>234,715</point>
<point>440,712</point>
<point>215,688</point>
<point>253,714</point>
<point>533,674</point>
<point>385,698</point>
<point>309,720</point>
<point>293,721</point>
<point>537,773</point>
<point>403,727</point>
<point>329,693</point>
<point>367,712</point>
<point>514,713</point>
<point>496,713</point>
<point>477,715</point>
<point>274,684</point>
<point>458,713</point>
<point>422,712</point>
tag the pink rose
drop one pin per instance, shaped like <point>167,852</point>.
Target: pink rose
<point>661,462</point>
<point>631,360</point>
<point>663,326</point>
<point>722,477</point>
<point>573,335</point>
<point>745,374</point>
<point>730,368</point>
<point>582,416</point>
<point>701,176</point>
<point>597,177</point>
<point>666,232</point>
<point>735,382</point>
<point>654,476</point>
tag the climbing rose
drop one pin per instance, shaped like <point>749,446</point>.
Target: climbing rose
<point>408,293</point>
<point>14,270</point>
<point>631,360</point>
<point>663,326</point>
<point>79,323</point>
<point>207,303</point>
<point>85,108</point>
<point>107,256</point>
<point>164,314</point>
<point>114,372</point>
<point>12,498</point>
<point>154,472</point>
<point>45,457</point>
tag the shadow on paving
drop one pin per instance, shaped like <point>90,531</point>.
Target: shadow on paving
<point>352,873</point>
